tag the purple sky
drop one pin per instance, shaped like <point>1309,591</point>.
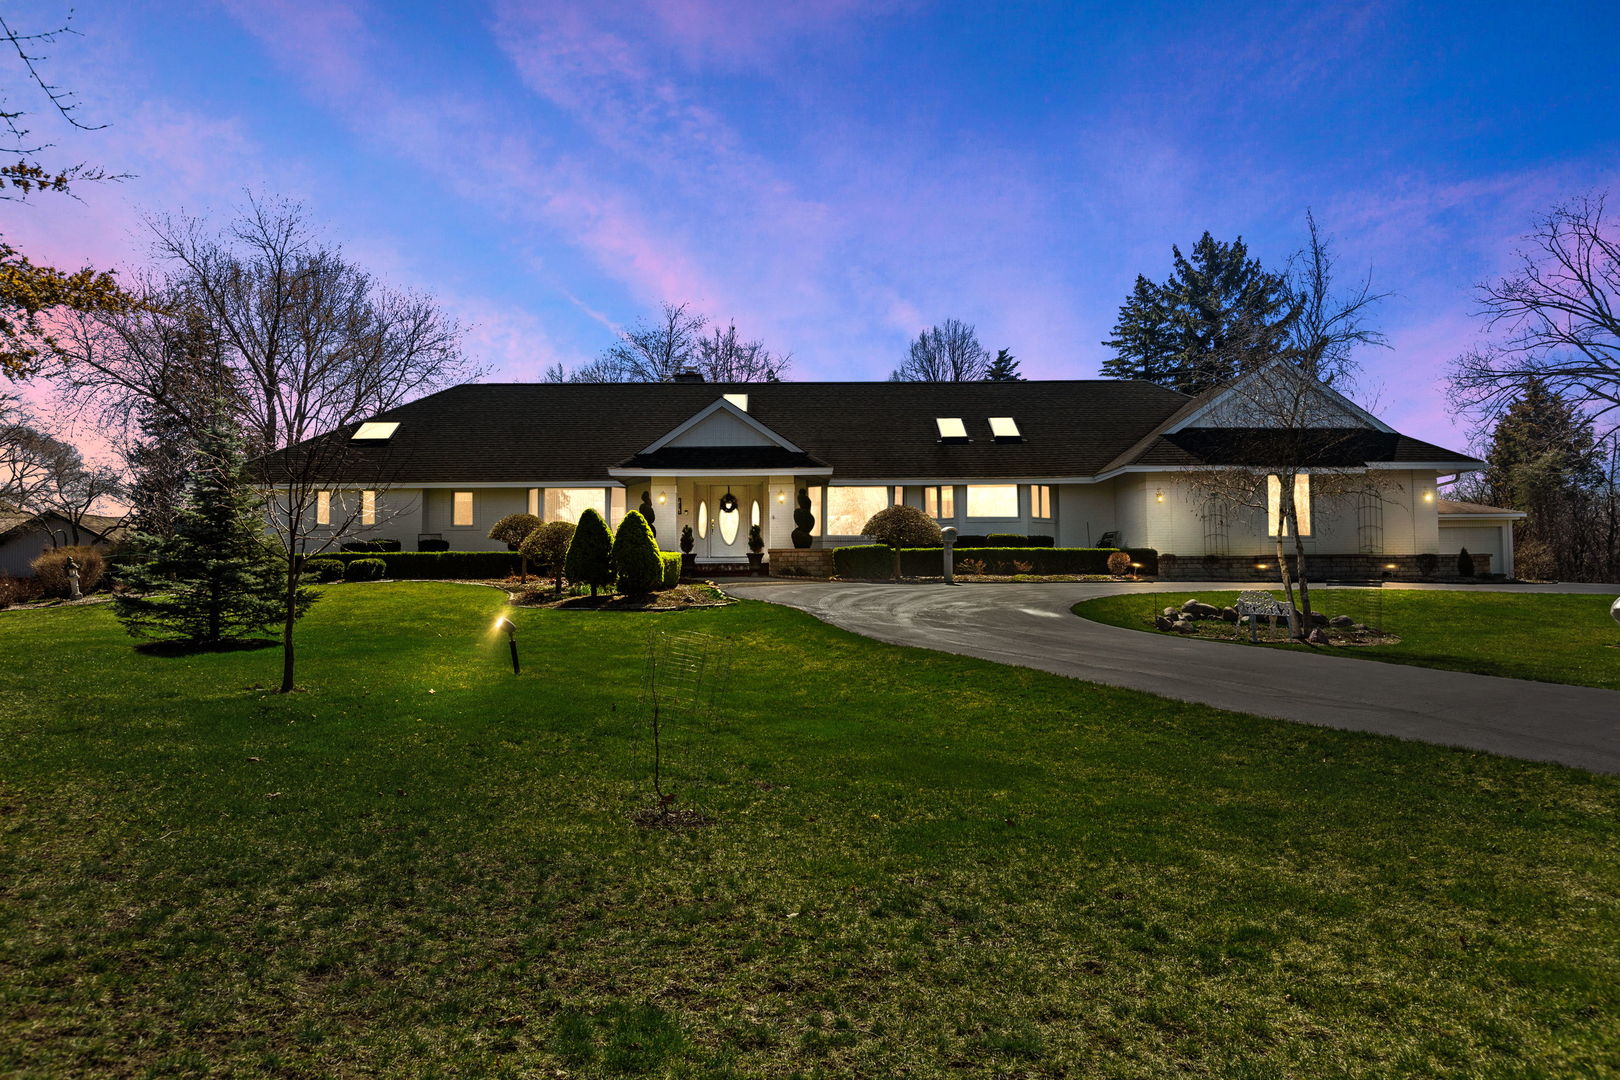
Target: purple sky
<point>836,176</point>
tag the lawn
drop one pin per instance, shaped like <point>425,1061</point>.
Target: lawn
<point>1549,637</point>
<point>920,865</point>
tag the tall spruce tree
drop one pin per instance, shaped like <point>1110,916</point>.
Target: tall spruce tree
<point>215,579</point>
<point>1004,368</point>
<point>1217,315</point>
<point>161,466</point>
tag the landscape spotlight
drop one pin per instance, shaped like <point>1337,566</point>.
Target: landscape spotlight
<point>503,623</point>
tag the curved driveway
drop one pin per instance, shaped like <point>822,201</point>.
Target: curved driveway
<point>1030,625</point>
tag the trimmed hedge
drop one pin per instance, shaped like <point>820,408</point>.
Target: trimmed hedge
<point>433,545</point>
<point>324,571</point>
<point>415,565</point>
<point>875,560</point>
<point>671,562</point>
<point>365,570</point>
<point>371,545</point>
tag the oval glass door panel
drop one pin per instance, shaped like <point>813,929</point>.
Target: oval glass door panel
<point>754,517</point>
<point>703,519</point>
<point>729,520</point>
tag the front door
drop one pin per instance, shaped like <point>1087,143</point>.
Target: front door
<point>723,534</point>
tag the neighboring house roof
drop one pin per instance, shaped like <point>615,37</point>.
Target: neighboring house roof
<point>101,525</point>
<point>561,433</point>
<point>1457,508</point>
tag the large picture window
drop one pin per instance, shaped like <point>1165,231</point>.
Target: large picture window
<point>1302,504</point>
<point>850,508</point>
<point>992,500</point>
<point>567,504</point>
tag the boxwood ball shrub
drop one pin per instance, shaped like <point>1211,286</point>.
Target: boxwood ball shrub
<point>636,564</point>
<point>1119,564</point>
<point>671,561</point>
<point>590,552</point>
<point>365,570</point>
<point>512,528</point>
<point>324,571</point>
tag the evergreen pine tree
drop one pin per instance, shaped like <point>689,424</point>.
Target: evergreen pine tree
<point>1004,368</point>
<point>216,579</point>
<point>161,464</point>
<point>590,552</point>
<point>1218,314</point>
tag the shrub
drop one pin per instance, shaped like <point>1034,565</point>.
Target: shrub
<point>875,561</point>
<point>1119,564</point>
<point>325,571</point>
<point>433,545</point>
<point>1428,563</point>
<point>803,520</point>
<point>1465,564</point>
<point>971,566</point>
<point>18,591</point>
<point>687,540</point>
<point>635,556</point>
<point>50,569</point>
<point>376,545</point>
<point>901,527</point>
<point>590,552</point>
<point>756,540</point>
<point>453,565</point>
<point>513,528</point>
<point>671,561</point>
<point>1042,541</point>
<point>365,570</point>
<point>547,548</point>
<point>1006,540</point>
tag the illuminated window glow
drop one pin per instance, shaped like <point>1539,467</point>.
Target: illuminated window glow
<point>753,516</point>
<point>567,504</point>
<point>616,507</point>
<point>940,502</point>
<point>739,400</point>
<point>462,512</point>
<point>1040,501</point>
<point>703,519</point>
<point>951,428</point>
<point>1005,429</point>
<point>374,429</point>
<point>728,520</point>
<point>992,500</point>
<point>323,508</point>
<point>1302,503</point>
<point>850,508</point>
<point>534,501</point>
<point>368,508</point>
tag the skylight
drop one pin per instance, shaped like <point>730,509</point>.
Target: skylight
<point>739,400</point>
<point>373,429</point>
<point>1005,429</point>
<point>951,429</point>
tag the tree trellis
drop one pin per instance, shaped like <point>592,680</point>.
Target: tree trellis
<point>685,678</point>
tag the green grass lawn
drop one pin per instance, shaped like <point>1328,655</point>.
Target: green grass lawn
<point>1550,637</point>
<point>921,865</point>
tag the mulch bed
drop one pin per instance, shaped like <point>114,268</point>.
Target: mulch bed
<point>680,598</point>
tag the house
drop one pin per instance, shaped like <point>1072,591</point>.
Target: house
<point>24,537</point>
<point>1083,461</point>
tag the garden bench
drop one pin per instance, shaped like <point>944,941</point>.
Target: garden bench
<point>1258,605</point>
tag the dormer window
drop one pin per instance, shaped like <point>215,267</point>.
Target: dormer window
<point>1005,429</point>
<point>739,400</point>
<point>951,429</point>
<point>375,430</point>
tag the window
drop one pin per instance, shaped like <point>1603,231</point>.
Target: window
<point>1302,503</point>
<point>1005,429</point>
<point>463,509</point>
<point>534,501</point>
<point>703,519</point>
<point>368,508</point>
<point>753,517</point>
<point>850,508</point>
<point>940,502</point>
<point>1040,502</point>
<point>951,429</point>
<point>616,507</point>
<point>992,500</point>
<point>739,400</point>
<point>323,508</point>
<point>897,496</point>
<point>372,429</point>
<point>567,504</point>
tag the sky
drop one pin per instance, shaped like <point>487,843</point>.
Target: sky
<point>836,176</point>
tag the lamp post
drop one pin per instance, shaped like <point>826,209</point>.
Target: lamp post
<point>503,623</point>
<point>947,537</point>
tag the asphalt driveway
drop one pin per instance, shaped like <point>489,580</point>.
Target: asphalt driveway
<point>1031,625</point>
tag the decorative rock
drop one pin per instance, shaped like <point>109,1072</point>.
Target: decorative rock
<point>1229,614</point>
<point>1171,613</point>
<point>1317,637</point>
<point>1318,619</point>
<point>1341,621</point>
<point>1163,622</point>
<point>1182,626</point>
<point>1197,609</point>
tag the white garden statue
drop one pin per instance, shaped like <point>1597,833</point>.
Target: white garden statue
<point>73,580</point>
<point>1614,609</point>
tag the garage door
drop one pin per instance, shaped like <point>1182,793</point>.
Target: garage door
<point>1478,539</point>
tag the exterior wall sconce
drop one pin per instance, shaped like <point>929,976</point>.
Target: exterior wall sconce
<point>1158,496</point>
<point>663,497</point>
<point>781,496</point>
<point>1428,495</point>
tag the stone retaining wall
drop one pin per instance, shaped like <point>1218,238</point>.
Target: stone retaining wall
<point>800,562</point>
<point>1319,567</point>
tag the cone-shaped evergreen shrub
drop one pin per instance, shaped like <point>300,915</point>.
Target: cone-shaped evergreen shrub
<point>216,579</point>
<point>803,520</point>
<point>635,556</point>
<point>590,552</point>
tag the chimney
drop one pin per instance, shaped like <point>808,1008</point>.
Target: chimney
<point>687,375</point>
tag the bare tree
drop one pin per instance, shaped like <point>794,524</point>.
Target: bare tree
<point>297,343</point>
<point>1556,318</point>
<point>675,343</point>
<point>949,352</point>
<point>26,456</point>
<point>1324,327</point>
<point>722,356</point>
<point>73,489</point>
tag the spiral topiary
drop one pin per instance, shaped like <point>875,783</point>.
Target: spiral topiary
<point>803,520</point>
